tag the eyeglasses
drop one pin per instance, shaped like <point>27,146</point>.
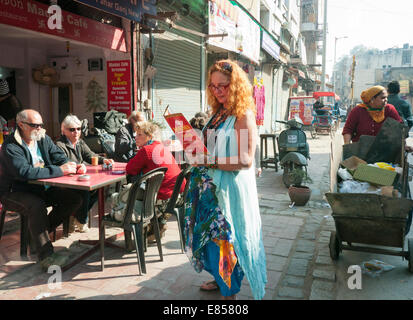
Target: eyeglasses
<point>225,66</point>
<point>74,129</point>
<point>220,87</point>
<point>34,125</point>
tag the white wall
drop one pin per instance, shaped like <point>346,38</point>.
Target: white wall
<point>23,59</point>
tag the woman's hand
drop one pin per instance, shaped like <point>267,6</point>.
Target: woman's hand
<point>109,161</point>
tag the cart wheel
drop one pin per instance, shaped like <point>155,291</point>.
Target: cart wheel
<point>334,246</point>
<point>410,253</point>
<point>313,132</point>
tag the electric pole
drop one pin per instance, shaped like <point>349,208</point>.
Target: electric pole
<point>323,79</point>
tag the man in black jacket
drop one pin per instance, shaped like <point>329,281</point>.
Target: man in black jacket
<point>30,154</point>
<point>402,106</point>
<point>125,145</point>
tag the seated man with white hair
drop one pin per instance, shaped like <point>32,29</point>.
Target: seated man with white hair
<point>78,151</point>
<point>29,154</point>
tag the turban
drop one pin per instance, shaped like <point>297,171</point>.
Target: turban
<point>368,94</point>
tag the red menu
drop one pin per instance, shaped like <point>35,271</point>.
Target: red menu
<point>187,135</point>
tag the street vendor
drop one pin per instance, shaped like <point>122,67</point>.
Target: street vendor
<point>368,117</point>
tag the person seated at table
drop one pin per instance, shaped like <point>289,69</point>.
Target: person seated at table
<point>151,155</point>
<point>125,145</point>
<point>30,154</point>
<point>199,120</point>
<point>78,151</point>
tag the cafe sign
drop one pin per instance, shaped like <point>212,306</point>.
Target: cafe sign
<point>129,9</point>
<point>32,15</point>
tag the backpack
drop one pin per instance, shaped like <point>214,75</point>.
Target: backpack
<point>110,121</point>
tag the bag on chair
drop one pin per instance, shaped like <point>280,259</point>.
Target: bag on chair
<point>119,201</point>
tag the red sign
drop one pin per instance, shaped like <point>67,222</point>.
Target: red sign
<point>119,86</point>
<point>33,15</point>
<point>303,108</point>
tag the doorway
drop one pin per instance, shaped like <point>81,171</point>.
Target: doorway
<point>61,104</point>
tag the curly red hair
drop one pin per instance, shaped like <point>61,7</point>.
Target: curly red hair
<point>240,89</point>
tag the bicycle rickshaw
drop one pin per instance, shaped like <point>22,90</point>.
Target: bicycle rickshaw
<point>326,118</point>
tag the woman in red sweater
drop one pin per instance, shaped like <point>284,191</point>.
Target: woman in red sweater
<point>151,155</point>
<point>368,117</point>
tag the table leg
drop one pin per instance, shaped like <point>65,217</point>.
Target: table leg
<point>95,243</point>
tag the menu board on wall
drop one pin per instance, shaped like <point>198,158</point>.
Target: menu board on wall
<point>119,86</point>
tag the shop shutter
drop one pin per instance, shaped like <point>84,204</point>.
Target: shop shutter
<point>177,82</point>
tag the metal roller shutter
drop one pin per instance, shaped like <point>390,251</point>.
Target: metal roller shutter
<point>177,82</point>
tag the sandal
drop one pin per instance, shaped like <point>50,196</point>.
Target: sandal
<point>209,286</point>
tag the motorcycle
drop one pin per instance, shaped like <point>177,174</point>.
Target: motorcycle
<point>293,150</point>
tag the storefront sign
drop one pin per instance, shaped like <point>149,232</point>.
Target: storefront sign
<point>129,9</point>
<point>33,16</point>
<point>247,37</point>
<point>243,35</point>
<point>223,18</point>
<point>119,86</point>
<point>270,46</point>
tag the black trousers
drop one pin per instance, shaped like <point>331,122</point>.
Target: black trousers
<point>65,202</point>
<point>89,199</point>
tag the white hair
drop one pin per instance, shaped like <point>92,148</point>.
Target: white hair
<point>70,120</point>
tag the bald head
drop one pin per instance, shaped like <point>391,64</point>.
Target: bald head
<point>30,124</point>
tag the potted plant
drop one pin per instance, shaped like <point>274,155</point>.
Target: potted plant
<point>299,193</point>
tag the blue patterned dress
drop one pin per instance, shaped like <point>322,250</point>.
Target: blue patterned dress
<point>223,223</point>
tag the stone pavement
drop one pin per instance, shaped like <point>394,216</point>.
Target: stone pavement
<point>295,240</point>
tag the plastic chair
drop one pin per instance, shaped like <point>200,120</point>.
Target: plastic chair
<point>176,203</point>
<point>152,180</point>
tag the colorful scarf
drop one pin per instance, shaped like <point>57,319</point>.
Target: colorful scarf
<point>217,119</point>
<point>376,114</point>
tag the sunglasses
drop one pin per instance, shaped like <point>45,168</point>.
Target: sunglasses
<point>225,66</point>
<point>74,129</point>
<point>34,125</point>
<point>220,87</point>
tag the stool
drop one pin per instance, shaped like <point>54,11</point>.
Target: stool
<point>267,162</point>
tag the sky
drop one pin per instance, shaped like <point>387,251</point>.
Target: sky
<point>380,24</point>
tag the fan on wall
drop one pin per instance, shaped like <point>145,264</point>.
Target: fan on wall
<point>45,75</point>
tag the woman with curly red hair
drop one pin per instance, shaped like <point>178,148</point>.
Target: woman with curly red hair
<point>222,217</point>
